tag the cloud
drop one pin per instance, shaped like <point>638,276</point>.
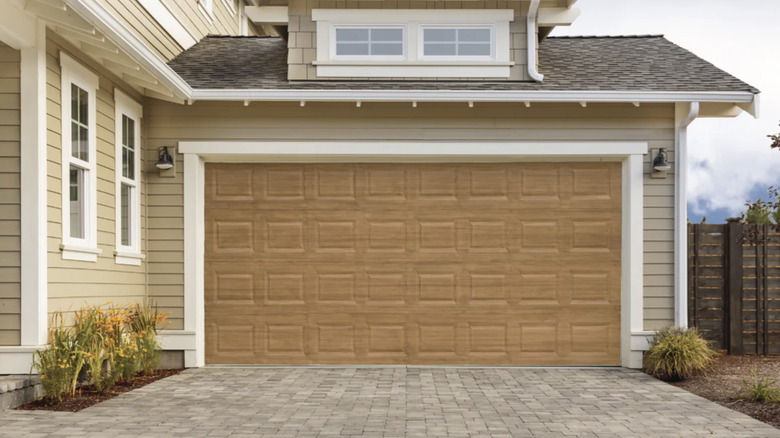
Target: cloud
<point>729,159</point>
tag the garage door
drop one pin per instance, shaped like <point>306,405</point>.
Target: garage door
<point>497,263</point>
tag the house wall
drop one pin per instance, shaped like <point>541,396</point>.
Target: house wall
<point>169,123</point>
<point>10,210</point>
<point>302,40</point>
<point>136,18</point>
<point>74,284</point>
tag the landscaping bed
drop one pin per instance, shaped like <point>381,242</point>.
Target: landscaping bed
<point>88,395</point>
<point>724,385</point>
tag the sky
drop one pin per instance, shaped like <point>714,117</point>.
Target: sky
<point>730,158</point>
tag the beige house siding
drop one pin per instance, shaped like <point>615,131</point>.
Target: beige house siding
<point>10,210</point>
<point>302,41</point>
<point>170,123</point>
<point>74,284</point>
<point>136,18</point>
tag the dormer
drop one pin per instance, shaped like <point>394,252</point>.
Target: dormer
<point>426,41</point>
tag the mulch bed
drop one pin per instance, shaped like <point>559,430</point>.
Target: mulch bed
<point>723,385</point>
<point>87,396</point>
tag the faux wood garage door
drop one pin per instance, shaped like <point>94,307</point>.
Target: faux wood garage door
<point>509,263</point>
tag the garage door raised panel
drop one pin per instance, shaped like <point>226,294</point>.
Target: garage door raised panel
<point>500,263</point>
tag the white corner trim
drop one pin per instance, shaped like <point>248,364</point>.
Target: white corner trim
<point>169,22</point>
<point>632,266</point>
<point>18,360</point>
<point>194,238</point>
<point>323,149</point>
<point>640,340</point>
<point>34,223</point>
<point>532,41</point>
<point>685,115</point>
<point>195,153</point>
<point>177,339</point>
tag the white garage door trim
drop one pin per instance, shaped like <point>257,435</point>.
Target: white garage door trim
<point>197,153</point>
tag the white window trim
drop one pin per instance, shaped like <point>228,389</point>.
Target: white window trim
<point>413,64</point>
<point>206,7</point>
<point>160,12</point>
<point>73,72</point>
<point>361,58</point>
<point>124,105</point>
<point>229,5</point>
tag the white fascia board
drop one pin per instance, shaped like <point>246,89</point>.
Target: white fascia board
<point>557,16</point>
<point>466,95</point>
<point>117,32</point>
<point>462,16</point>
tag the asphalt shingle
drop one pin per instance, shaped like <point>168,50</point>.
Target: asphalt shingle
<point>624,63</point>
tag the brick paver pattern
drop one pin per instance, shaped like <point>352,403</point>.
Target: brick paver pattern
<point>397,402</point>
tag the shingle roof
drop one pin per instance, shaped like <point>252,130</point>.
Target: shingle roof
<point>593,63</point>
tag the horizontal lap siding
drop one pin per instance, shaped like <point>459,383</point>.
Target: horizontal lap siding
<point>10,210</point>
<point>169,123</point>
<point>136,18</point>
<point>74,284</point>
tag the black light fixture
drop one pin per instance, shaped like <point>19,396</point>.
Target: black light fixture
<point>165,162</point>
<point>661,163</point>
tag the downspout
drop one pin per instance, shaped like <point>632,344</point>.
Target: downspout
<point>681,216</point>
<point>533,13</point>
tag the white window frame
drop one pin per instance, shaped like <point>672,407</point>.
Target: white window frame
<point>421,42</point>
<point>207,9</point>
<point>413,64</point>
<point>230,6</point>
<point>75,73</point>
<point>404,41</point>
<point>130,254</point>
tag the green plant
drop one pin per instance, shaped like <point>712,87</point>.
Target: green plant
<point>760,389</point>
<point>144,321</point>
<point>760,212</point>
<point>677,353</point>
<point>60,363</point>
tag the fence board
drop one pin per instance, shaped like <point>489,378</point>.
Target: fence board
<point>734,286</point>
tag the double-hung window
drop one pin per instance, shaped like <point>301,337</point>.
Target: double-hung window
<point>79,86</point>
<point>128,179</point>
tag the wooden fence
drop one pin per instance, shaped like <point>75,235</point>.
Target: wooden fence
<point>734,286</point>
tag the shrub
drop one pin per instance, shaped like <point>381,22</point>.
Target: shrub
<point>760,389</point>
<point>144,321</point>
<point>678,353</point>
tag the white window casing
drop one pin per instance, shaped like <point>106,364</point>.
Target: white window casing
<point>79,241</point>
<point>230,5</point>
<point>128,115</point>
<point>207,9</point>
<point>414,62</point>
<point>160,12</point>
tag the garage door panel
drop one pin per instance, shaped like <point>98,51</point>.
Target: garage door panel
<point>413,263</point>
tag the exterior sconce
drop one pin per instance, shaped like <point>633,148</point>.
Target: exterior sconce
<point>165,162</point>
<point>660,163</point>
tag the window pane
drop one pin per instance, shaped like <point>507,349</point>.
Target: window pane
<point>351,35</point>
<point>396,35</point>
<point>74,140</point>
<point>474,35</point>
<point>83,113</point>
<point>445,35</point>
<point>473,49</point>
<point>394,49</point>
<point>76,202</point>
<point>74,102</point>
<point>440,49</point>
<point>128,147</point>
<point>82,144</point>
<point>124,216</point>
<point>354,49</point>
<point>130,128</point>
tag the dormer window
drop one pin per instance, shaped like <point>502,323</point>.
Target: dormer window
<point>373,42</point>
<point>463,43</point>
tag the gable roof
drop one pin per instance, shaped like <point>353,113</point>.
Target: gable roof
<point>593,63</point>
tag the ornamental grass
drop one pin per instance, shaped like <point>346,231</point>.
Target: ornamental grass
<point>105,344</point>
<point>678,353</point>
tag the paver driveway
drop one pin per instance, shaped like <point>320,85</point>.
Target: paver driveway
<point>397,401</point>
